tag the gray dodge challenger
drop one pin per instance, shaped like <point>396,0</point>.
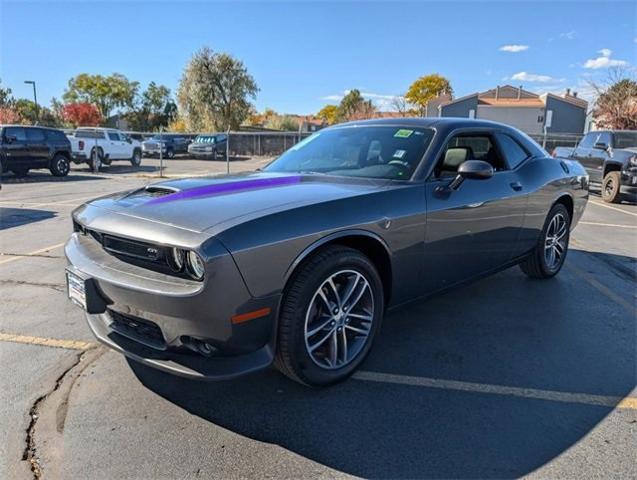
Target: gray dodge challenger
<point>211,278</point>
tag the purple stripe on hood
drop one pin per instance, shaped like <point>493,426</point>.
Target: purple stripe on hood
<point>230,187</point>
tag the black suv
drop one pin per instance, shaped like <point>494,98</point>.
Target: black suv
<point>23,148</point>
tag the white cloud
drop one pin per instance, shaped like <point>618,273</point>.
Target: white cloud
<point>604,60</point>
<point>513,48</point>
<point>533,77</point>
<point>568,35</point>
<point>332,98</point>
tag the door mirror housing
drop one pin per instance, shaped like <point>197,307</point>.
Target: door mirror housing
<point>10,138</point>
<point>472,170</point>
<point>600,146</point>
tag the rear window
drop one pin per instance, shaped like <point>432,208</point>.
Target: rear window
<point>56,135</point>
<point>89,134</point>
<point>626,140</point>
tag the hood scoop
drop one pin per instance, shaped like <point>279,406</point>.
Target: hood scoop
<point>158,190</point>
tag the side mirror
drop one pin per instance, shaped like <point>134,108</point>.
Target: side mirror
<point>471,170</point>
<point>10,138</point>
<point>600,146</point>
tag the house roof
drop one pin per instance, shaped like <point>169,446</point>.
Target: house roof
<point>511,102</point>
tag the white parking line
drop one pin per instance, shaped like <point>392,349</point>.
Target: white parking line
<point>612,208</point>
<point>614,225</point>
<point>629,403</point>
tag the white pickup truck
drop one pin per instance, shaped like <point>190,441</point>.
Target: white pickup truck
<point>100,146</point>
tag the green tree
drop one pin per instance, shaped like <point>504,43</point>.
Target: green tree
<point>329,114</point>
<point>353,106</point>
<point>215,91</point>
<point>282,122</point>
<point>106,92</point>
<point>152,109</point>
<point>41,115</point>
<point>6,99</point>
<point>426,88</point>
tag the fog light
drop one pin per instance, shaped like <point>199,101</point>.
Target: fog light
<point>195,266</point>
<point>199,346</point>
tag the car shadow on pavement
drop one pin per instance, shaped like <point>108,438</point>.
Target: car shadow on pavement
<point>559,335</point>
<point>15,217</point>
<point>42,177</point>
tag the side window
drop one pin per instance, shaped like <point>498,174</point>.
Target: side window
<point>512,151</point>
<point>589,140</point>
<point>35,135</point>
<point>113,136</point>
<point>55,136</point>
<point>604,137</point>
<point>465,147</point>
<point>16,132</point>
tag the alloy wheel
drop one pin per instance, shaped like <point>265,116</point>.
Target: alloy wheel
<point>339,319</point>
<point>555,241</point>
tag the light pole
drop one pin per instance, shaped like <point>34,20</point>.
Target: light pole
<point>35,99</point>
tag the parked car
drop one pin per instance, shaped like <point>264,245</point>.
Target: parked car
<point>209,146</point>
<point>23,148</point>
<point>100,146</point>
<point>170,145</point>
<point>610,158</point>
<point>211,278</point>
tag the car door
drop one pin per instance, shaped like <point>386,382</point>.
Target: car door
<point>583,154</point>
<point>598,155</point>
<point>115,149</point>
<point>475,228</point>
<point>38,147</point>
<point>14,143</point>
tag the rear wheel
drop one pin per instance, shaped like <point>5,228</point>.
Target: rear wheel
<point>170,153</point>
<point>611,186</point>
<point>60,166</point>
<point>95,160</point>
<point>550,252</point>
<point>329,317</point>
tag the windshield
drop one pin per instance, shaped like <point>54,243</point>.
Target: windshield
<point>358,151</point>
<point>205,139</point>
<point>625,139</point>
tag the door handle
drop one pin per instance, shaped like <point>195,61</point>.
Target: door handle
<point>517,186</point>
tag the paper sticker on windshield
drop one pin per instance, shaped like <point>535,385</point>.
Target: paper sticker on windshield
<point>402,133</point>
<point>399,153</point>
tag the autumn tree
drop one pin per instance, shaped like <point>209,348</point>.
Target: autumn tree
<point>616,105</point>
<point>215,91</point>
<point>106,92</point>
<point>9,115</point>
<point>6,99</point>
<point>82,114</point>
<point>329,114</point>
<point>425,89</point>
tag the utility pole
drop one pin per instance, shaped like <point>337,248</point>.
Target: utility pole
<point>35,100</point>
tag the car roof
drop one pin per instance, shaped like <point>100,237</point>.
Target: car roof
<point>30,126</point>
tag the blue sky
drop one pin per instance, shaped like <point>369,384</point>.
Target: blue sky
<point>306,54</point>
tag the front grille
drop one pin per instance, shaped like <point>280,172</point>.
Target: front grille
<point>121,246</point>
<point>138,329</point>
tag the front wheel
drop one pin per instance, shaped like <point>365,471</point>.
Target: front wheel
<point>170,153</point>
<point>60,166</point>
<point>136,159</point>
<point>330,314</point>
<point>550,252</point>
<point>611,187</point>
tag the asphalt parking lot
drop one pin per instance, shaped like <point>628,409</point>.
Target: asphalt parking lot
<point>504,378</point>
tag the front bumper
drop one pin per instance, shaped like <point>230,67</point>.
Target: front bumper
<point>175,311</point>
<point>629,180</point>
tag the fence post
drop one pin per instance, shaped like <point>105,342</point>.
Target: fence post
<point>228,152</point>
<point>161,157</point>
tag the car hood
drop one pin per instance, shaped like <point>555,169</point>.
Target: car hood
<point>217,203</point>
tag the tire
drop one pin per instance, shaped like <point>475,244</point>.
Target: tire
<point>170,153</point>
<point>549,254</point>
<point>136,159</point>
<point>20,172</point>
<point>60,166</point>
<point>611,187</point>
<point>305,350</point>
<point>95,160</point>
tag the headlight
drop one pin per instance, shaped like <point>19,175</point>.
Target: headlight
<point>176,257</point>
<point>195,266</point>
